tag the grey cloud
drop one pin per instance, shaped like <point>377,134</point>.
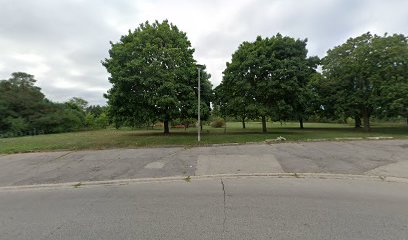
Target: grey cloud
<point>93,97</point>
<point>69,36</point>
<point>317,20</point>
<point>324,23</point>
<point>64,41</point>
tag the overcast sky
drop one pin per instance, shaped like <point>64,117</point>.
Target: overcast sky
<point>62,42</point>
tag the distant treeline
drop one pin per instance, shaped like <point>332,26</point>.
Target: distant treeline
<point>24,110</point>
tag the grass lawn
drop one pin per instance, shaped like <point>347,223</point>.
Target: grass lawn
<point>127,138</point>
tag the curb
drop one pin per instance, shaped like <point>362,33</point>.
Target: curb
<point>204,177</point>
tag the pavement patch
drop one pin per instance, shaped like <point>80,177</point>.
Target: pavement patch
<point>223,164</point>
<point>399,169</point>
<point>155,165</point>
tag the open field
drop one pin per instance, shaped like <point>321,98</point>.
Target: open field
<point>127,138</point>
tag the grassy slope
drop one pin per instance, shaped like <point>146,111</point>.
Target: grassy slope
<point>111,138</point>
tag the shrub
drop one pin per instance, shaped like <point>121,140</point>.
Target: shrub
<point>218,123</point>
<point>102,121</point>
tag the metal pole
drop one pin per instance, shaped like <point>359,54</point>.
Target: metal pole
<point>199,114</point>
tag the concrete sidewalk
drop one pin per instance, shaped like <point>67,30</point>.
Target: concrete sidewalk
<point>388,158</point>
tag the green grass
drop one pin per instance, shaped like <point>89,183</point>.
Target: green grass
<point>127,138</point>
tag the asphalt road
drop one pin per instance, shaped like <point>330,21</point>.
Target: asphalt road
<point>235,208</point>
<point>388,158</point>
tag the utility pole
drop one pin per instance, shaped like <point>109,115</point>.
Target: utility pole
<point>199,113</point>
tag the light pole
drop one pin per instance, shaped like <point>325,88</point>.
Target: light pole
<point>198,111</point>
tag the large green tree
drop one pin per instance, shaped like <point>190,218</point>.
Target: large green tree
<point>392,97</point>
<point>153,76</point>
<point>268,78</point>
<point>366,76</point>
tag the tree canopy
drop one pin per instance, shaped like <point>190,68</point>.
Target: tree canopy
<point>267,78</point>
<point>154,76</point>
<point>366,76</point>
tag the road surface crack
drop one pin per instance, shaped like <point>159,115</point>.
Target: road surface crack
<point>171,154</point>
<point>225,209</point>
<point>63,155</point>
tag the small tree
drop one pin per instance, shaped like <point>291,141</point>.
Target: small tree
<point>78,102</point>
<point>102,121</point>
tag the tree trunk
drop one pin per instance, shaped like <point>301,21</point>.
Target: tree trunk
<point>225,125</point>
<point>166,124</point>
<point>243,122</point>
<point>366,119</point>
<point>357,121</point>
<point>263,124</point>
<point>301,122</point>
<point>201,126</point>
<point>407,120</point>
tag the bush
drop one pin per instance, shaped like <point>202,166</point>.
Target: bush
<point>218,123</point>
<point>89,120</point>
<point>102,121</point>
